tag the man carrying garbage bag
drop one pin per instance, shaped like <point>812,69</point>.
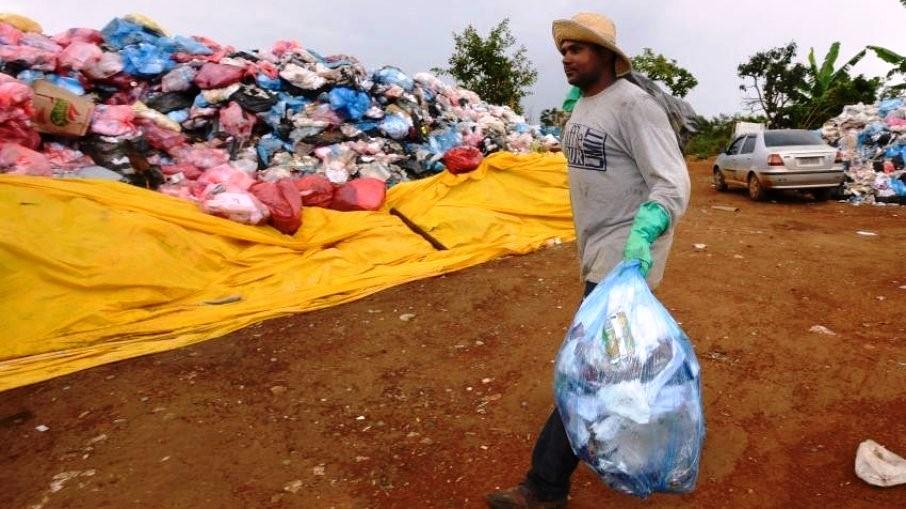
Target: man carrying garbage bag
<point>629,186</point>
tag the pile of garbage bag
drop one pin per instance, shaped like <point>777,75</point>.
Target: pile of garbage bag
<point>627,385</point>
<point>872,139</point>
<point>233,130</point>
<point>680,113</point>
<point>682,117</point>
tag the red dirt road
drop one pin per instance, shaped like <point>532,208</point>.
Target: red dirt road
<point>354,407</point>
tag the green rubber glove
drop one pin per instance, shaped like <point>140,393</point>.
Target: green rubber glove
<point>651,221</point>
<point>572,97</point>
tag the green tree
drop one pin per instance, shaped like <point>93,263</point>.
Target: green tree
<point>777,82</point>
<point>793,95</point>
<point>660,68</point>
<point>488,66</point>
<point>812,113</point>
<point>548,116</point>
<point>822,79</point>
<point>554,117</point>
<point>827,90</point>
<point>899,66</point>
<point>714,134</point>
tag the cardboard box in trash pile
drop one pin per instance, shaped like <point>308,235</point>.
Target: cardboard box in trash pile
<point>59,111</point>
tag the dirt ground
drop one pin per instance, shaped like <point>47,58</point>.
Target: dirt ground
<point>354,407</point>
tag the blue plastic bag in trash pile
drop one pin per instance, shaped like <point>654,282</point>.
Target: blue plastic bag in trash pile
<point>628,389</point>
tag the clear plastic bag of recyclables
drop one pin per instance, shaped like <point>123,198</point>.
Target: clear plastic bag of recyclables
<point>628,390</point>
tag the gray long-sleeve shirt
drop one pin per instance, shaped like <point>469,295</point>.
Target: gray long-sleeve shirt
<point>622,152</point>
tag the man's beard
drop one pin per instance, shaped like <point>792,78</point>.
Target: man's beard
<point>582,80</point>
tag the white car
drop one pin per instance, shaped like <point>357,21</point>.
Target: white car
<point>779,159</point>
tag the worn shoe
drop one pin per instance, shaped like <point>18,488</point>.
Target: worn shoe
<point>521,497</point>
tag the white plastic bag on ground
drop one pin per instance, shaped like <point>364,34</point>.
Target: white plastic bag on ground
<point>878,466</point>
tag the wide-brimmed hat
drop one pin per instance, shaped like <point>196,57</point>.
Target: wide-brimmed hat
<point>595,29</point>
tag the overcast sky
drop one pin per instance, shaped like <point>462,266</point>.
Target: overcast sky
<point>707,37</point>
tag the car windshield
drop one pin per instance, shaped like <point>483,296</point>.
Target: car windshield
<point>786,138</point>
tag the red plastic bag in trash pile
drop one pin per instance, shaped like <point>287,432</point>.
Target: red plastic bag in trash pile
<point>237,122</point>
<point>15,113</point>
<point>15,100</point>
<point>316,190</point>
<point>18,160</point>
<point>462,159</point>
<point>283,201</point>
<point>360,194</point>
<point>218,75</point>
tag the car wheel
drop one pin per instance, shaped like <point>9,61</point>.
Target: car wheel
<point>719,183</point>
<point>756,190</point>
<point>822,194</point>
<point>838,193</point>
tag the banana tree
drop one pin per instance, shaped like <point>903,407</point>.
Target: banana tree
<point>898,61</point>
<point>820,81</point>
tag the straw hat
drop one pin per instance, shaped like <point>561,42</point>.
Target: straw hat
<point>595,29</point>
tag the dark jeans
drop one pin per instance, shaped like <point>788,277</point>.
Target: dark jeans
<point>553,461</point>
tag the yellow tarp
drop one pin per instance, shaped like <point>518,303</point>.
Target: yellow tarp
<point>93,272</point>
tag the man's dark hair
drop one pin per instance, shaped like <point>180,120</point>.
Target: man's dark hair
<point>605,53</point>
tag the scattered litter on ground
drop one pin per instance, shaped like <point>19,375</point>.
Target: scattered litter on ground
<point>820,329</point>
<point>878,466</point>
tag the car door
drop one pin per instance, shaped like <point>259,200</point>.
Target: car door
<point>744,161</point>
<point>729,160</point>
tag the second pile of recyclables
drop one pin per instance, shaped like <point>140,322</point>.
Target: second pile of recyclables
<point>872,139</point>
